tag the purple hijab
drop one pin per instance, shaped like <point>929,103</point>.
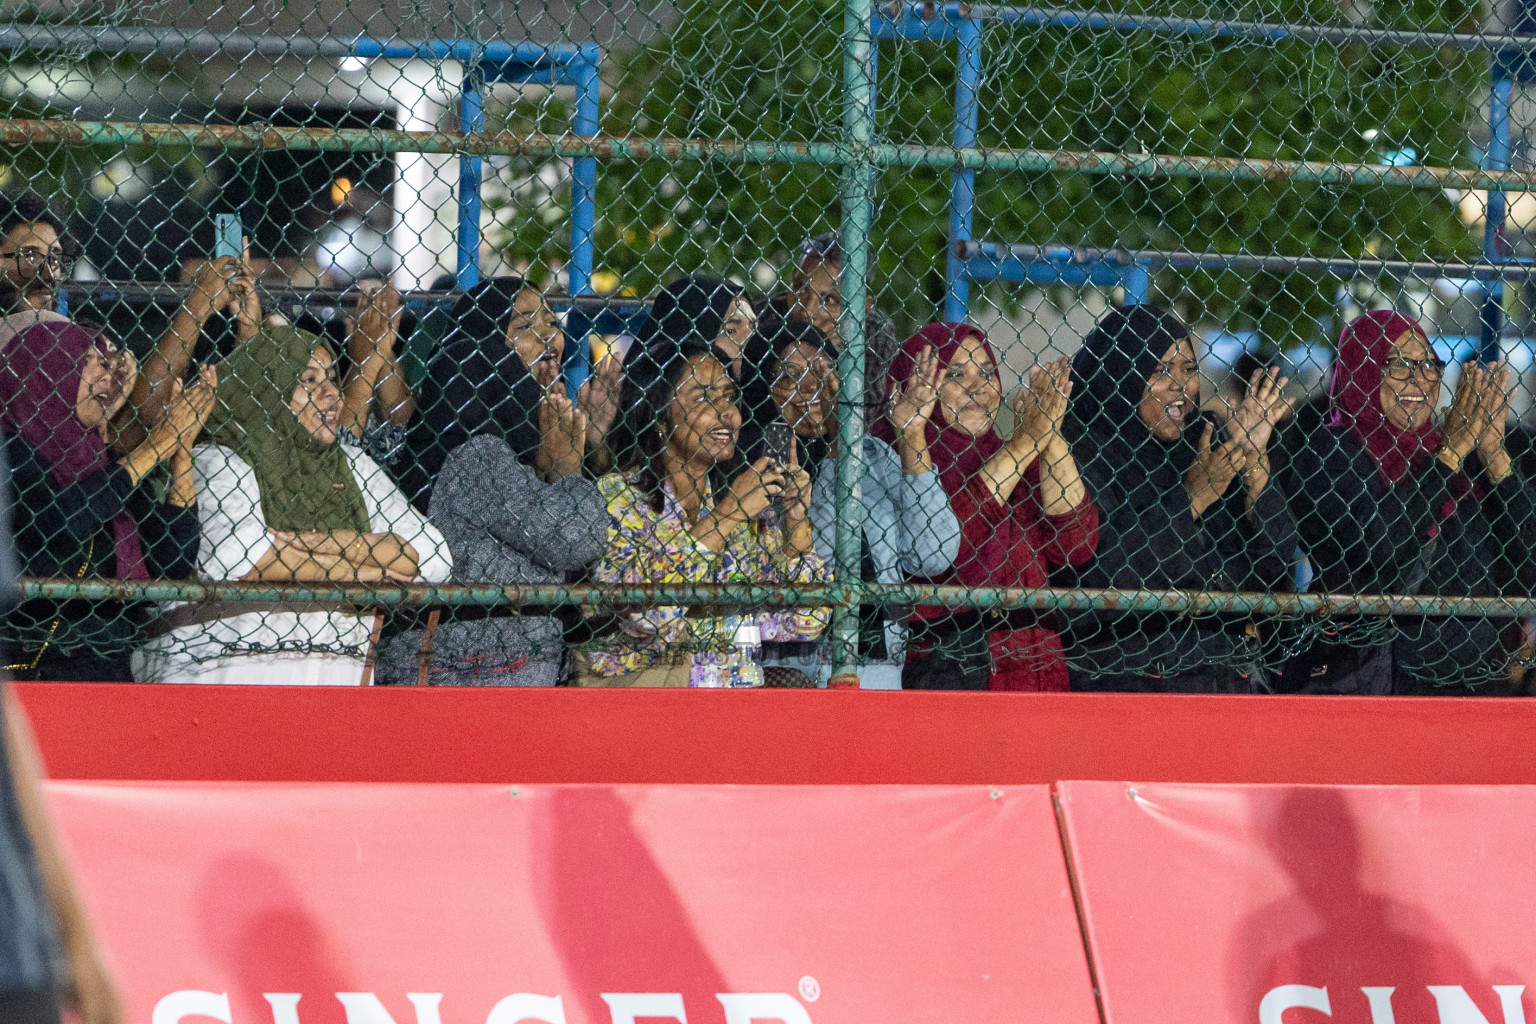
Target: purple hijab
<point>40,368</point>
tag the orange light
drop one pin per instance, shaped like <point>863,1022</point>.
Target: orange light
<point>340,189</point>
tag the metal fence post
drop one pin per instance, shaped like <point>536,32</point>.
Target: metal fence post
<point>855,192</point>
<point>583,72</point>
<point>962,188</point>
<point>471,119</point>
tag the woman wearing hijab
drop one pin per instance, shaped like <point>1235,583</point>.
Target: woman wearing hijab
<point>1178,510</point>
<point>78,512</point>
<point>281,501</point>
<point>1389,503</point>
<point>1021,507</point>
<point>710,308</point>
<point>494,375</point>
<point>909,528</point>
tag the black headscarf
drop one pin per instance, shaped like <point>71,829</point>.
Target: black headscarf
<point>1110,374</point>
<point>475,384</point>
<point>757,405</point>
<point>694,305</point>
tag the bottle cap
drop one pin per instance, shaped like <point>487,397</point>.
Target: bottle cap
<point>749,633</point>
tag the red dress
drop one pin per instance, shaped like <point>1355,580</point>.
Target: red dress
<point>1012,545</point>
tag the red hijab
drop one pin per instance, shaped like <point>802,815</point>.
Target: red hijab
<point>1354,393</point>
<point>40,371</point>
<point>957,455</point>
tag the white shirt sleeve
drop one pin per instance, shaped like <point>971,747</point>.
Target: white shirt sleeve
<point>390,512</point>
<point>229,508</point>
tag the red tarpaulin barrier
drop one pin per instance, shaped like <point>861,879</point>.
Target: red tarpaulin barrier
<point>387,734</point>
<point>457,904</point>
<point>1306,905</point>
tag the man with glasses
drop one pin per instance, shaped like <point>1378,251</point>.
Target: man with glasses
<point>36,255</point>
<point>816,296</point>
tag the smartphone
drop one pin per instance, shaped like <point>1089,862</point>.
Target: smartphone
<point>229,237</point>
<point>778,445</point>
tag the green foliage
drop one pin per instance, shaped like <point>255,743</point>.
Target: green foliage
<point>772,69</point>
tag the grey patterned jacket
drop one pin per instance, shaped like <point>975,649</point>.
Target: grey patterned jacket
<point>503,525</point>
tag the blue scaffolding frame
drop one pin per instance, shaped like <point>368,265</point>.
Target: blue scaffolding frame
<point>484,63</point>
<point>972,260</point>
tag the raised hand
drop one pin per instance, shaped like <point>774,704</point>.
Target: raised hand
<point>563,429</point>
<point>1466,419</point>
<point>185,415</point>
<point>598,396</point>
<point>1261,410</point>
<point>376,326</point>
<point>1041,407</point>
<point>1497,392</point>
<point>1213,471</point>
<point>244,302</point>
<point>913,403</point>
<point>211,280</point>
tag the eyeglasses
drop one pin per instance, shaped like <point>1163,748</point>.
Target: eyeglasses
<point>1402,369</point>
<point>33,257</point>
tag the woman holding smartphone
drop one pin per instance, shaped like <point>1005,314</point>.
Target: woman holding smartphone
<point>909,527</point>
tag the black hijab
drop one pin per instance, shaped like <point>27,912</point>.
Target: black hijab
<point>1110,374</point>
<point>757,406</point>
<point>475,384</point>
<point>694,305</point>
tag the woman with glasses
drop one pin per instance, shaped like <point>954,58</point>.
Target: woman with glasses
<point>1180,508</point>
<point>909,528</point>
<point>1390,502</point>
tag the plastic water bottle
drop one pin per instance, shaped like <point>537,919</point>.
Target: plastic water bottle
<point>748,667</point>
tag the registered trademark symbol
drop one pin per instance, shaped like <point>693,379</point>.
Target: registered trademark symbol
<point>810,989</point>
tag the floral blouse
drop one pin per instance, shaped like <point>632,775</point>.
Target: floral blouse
<point>647,547</point>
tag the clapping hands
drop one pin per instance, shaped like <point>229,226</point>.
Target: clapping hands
<point>1041,406</point>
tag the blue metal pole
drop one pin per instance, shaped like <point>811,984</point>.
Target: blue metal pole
<point>1136,284</point>
<point>962,187</point>
<point>1496,158</point>
<point>471,119</point>
<point>584,75</point>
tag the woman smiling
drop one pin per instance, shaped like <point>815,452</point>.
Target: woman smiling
<point>685,510</point>
<point>281,501</point>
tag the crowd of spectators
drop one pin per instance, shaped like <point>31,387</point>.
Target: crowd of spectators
<point>706,454</point>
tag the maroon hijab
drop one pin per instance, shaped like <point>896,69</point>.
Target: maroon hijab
<point>1354,393</point>
<point>40,372</point>
<point>957,455</point>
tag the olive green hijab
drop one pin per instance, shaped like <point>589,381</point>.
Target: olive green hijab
<point>305,485</point>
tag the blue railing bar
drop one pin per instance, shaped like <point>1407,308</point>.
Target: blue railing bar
<point>962,185</point>
<point>1495,158</point>
<point>913,21</point>
<point>471,119</point>
<point>983,253</point>
<point>585,77</point>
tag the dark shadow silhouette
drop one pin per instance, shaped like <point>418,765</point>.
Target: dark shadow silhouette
<point>1335,932</point>
<point>257,928</point>
<point>612,915</point>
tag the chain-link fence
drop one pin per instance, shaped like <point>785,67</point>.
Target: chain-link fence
<point>1180,346</point>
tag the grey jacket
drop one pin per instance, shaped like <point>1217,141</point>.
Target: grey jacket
<point>503,525</point>
<point>912,530</point>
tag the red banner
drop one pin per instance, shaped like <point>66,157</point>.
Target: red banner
<point>462,904</point>
<point>1306,905</point>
